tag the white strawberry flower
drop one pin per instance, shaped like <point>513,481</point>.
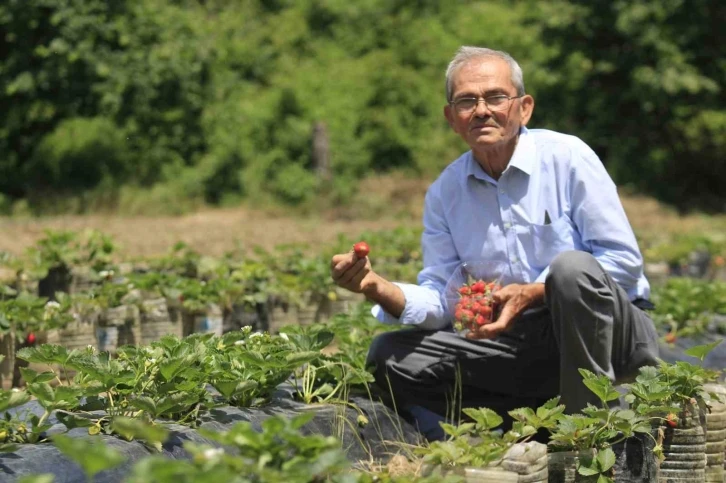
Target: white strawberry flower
<point>211,453</point>
<point>284,336</point>
<point>239,342</point>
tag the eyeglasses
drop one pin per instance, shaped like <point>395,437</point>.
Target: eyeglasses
<point>496,103</point>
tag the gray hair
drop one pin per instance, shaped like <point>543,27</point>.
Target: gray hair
<point>466,54</point>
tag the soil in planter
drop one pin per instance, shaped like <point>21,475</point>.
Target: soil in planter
<point>243,315</point>
<point>58,279</point>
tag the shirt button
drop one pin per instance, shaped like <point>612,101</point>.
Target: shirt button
<point>515,259</point>
<point>501,192</point>
<point>507,226</point>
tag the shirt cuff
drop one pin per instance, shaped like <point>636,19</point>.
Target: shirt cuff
<point>543,276</point>
<point>414,311</point>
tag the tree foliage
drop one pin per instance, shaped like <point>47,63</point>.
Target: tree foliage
<point>216,100</point>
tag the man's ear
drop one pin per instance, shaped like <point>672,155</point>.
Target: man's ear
<point>526,108</point>
<point>449,115</point>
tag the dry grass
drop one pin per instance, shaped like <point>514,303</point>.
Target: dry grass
<point>383,203</point>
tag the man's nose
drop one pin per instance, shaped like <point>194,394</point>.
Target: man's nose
<point>481,108</point>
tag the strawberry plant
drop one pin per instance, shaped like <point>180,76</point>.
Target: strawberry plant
<point>278,453</point>
<point>321,378</point>
<point>476,443</point>
<point>685,306</point>
<point>595,430</point>
<point>246,367</point>
<point>668,388</point>
<point>354,332</point>
<point>27,313</point>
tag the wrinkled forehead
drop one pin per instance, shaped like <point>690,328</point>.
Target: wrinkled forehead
<point>483,74</point>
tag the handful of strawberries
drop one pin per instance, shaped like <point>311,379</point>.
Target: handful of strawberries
<point>475,306</point>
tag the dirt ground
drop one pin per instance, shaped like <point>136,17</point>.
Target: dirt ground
<point>384,203</point>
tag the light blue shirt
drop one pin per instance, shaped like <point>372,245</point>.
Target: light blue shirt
<point>470,216</point>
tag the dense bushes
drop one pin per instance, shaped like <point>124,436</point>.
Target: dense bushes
<point>174,103</point>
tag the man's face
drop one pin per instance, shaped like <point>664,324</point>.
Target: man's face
<point>483,128</point>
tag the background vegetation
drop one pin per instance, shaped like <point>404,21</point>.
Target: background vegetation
<point>163,105</point>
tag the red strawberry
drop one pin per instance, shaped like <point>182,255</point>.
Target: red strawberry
<point>465,290</point>
<point>670,338</point>
<point>480,320</point>
<point>30,339</point>
<point>361,249</point>
<point>672,420</point>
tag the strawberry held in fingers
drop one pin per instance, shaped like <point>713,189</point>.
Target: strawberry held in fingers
<point>361,249</point>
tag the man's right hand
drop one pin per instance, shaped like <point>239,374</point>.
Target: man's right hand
<point>355,274</point>
<point>352,273</point>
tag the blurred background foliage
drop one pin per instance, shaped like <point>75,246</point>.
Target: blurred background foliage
<point>147,106</point>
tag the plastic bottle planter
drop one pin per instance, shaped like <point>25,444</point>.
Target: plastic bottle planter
<point>242,315</point>
<point>118,326</point>
<point>479,475</point>
<point>684,448</point>
<point>210,321</point>
<point>78,334</point>
<point>343,303</point>
<point>716,435</point>
<point>523,463</point>
<point>280,314</point>
<point>107,339</point>
<point>529,461</point>
<point>563,467</point>
<point>7,365</point>
<point>155,321</point>
<point>308,314</point>
<point>129,332</point>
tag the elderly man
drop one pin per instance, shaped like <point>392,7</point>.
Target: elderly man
<point>543,203</point>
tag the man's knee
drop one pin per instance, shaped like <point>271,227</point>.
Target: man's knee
<point>567,270</point>
<point>382,351</point>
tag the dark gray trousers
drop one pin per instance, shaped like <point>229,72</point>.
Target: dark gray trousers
<point>587,322</point>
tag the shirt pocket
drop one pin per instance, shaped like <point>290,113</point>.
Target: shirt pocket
<point>548,241</point>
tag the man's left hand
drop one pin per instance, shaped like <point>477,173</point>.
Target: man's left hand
<point>513,300</point>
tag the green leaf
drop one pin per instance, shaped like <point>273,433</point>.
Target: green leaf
<point>485,418</point>
<point>44,478</point>
<point>701,351</point>
<point>12,399</point>
<point>44,392</point>
<point>91,455</point>
<point>135,429</point>
<point>169,367</point>
<point>145,404</point>
<point>45,354</point>
<point>299,358</point>
<point>604,479</point>
<point>600,385</point>
<point>606,458</point>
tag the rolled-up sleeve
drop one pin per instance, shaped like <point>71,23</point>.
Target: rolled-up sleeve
<point>424,305</point>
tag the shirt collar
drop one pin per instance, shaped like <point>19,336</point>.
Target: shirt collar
<point>523,158</point>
